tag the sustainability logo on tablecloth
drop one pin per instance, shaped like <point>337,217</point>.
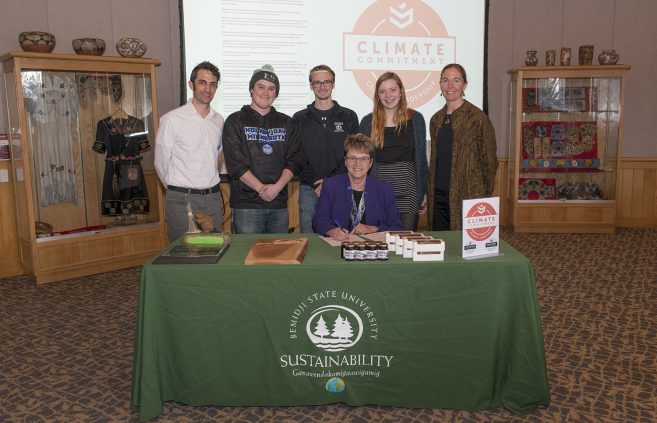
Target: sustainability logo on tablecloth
<point>333,322</point>
<point>334,327</point>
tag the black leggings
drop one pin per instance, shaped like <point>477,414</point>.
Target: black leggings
<point>409,221</point>
<point>440,218</point>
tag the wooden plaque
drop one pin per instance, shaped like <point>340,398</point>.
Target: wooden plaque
<point>277,251</point>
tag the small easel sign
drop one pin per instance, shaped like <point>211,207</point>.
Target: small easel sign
<point>481,228</point>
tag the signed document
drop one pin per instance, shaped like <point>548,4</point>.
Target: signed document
<point>335,243</point>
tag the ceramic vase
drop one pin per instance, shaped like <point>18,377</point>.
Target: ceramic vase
<point>564,58</point>
<point>585,55</point>
<point>550,57</point>
<point>608,57</point>
<point>37,41</point>
<point>131,47</point>
<point>531,59</point>
<point>89,46</point>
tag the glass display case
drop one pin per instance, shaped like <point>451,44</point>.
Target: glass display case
<point>81,134</point>
<point>565,131</point>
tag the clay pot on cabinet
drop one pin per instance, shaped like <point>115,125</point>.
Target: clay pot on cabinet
<point>550,57</point>
<point>608,57</point>
<point>131,47</point>
<point>37,41</point>
<point>531,59</point>
<point>89,46</point>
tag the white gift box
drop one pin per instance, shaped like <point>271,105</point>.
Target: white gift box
<point>429,250</point>
<point>407,251</point>
<point>390,238</point>
<point>399,241</point>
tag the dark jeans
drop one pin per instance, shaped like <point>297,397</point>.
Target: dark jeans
<point>307,204</point>
<point>260,221</point>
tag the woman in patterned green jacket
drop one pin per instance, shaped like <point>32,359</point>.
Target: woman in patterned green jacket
<point>463,158</point>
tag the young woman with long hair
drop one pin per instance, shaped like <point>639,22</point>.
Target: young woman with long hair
<point>399,136</point>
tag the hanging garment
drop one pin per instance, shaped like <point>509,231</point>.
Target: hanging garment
<point>51,100</point>
<point>124,188</point>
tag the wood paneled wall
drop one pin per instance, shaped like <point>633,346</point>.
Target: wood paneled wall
<point>10,263</point>
<point>638,193</point>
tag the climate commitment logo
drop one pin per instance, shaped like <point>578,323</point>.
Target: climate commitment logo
<point>406,37</point>
<point>481,221</point>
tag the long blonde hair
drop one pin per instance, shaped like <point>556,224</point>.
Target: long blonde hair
<point>401,117</point>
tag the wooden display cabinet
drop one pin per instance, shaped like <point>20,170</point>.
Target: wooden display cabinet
<point>102,200</point>
<point>565,130</point>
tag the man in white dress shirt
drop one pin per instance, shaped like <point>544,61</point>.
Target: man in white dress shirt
<point>187,150</point>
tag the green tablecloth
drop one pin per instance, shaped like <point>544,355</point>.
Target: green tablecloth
<point>454,334</point>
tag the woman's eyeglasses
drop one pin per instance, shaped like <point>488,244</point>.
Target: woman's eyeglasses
<point>354,160</point>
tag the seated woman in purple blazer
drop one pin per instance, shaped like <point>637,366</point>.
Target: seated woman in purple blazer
<point>355,203</point>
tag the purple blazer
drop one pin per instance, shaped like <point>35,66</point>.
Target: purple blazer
<point>335,205</point>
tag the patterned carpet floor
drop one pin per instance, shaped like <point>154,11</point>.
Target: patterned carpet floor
<point>66,347</point>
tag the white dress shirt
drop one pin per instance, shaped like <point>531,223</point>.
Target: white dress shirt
<point>187,148</point>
